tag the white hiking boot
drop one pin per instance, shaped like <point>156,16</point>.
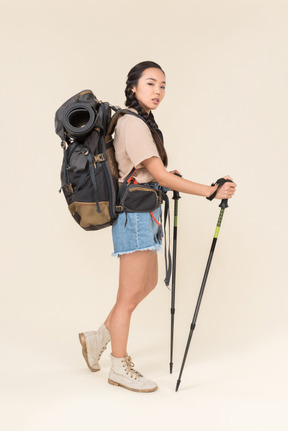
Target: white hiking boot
<point>123,374</point>
<point>93,345</point>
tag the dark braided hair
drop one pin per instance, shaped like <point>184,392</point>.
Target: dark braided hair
<point>132,102</point>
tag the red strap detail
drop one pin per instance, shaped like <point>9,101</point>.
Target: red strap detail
<point>132,179</point>
<point>152,215</point>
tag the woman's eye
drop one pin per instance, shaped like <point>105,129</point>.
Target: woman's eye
<point>152,84</point>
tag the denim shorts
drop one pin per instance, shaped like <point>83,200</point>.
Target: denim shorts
<point>137,232</point>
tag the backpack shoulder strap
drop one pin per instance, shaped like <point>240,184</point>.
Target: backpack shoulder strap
<point>127,111</point>
<point>119,112</point>
<point>112,125</point>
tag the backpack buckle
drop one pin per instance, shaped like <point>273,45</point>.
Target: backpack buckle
<point>99,158</point>
<point>68,188</point>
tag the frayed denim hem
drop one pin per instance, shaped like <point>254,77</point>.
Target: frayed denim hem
<point>156,247</point>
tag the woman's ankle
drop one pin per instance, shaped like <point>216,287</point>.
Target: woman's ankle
<point>117,354</point>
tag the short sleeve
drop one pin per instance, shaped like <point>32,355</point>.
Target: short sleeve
<point>138,141</point>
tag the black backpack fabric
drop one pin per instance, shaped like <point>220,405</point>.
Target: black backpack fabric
<point>89,173</point>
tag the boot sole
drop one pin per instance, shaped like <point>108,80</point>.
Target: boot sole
<point>82,340</point>
<point>131,389</point>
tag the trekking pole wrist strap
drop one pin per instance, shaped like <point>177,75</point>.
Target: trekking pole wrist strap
<point>219,183</point>
<point>176,194</point>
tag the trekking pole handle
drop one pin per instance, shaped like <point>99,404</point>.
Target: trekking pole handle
<point>219,183</point>
<point>176,194</point>
<point>224,204</point>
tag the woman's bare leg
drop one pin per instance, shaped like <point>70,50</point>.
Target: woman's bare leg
<point>150,285</point>
<point>137,278</point>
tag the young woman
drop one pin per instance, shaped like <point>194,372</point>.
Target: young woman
<point>136,236</point>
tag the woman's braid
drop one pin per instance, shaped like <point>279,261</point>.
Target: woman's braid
<point>132,102</point>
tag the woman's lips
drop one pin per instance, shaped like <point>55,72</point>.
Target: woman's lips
<point>155,101</point>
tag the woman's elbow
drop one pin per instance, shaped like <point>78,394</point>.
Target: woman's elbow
<point>162,178</point>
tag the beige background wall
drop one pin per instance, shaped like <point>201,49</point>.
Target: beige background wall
<point>225,112</point>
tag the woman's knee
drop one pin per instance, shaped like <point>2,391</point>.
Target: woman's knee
<point>128,305</point>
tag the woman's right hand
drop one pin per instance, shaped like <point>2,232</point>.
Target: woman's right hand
<point>227,190</point>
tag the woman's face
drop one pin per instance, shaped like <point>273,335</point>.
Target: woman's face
<point>150,89</point>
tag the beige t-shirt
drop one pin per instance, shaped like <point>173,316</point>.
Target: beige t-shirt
<point>133,143</point>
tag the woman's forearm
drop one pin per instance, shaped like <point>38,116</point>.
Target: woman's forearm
<point>173,182</point>
<point>166,179</point>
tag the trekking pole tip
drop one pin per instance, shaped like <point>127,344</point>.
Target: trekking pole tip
<point>178,384</point>
<point>171,367</point>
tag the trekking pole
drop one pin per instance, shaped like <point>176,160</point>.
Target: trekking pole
<point>176,197</point>
<point>223,205</point>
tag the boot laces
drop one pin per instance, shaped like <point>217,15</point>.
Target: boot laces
<point>129,368</point>
<point>103,348</point>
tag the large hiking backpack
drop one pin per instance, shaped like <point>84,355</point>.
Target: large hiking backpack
<point>89,173</point>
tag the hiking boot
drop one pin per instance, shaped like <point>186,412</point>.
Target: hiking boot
<point>123,374</point>
<point>93,345</point>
